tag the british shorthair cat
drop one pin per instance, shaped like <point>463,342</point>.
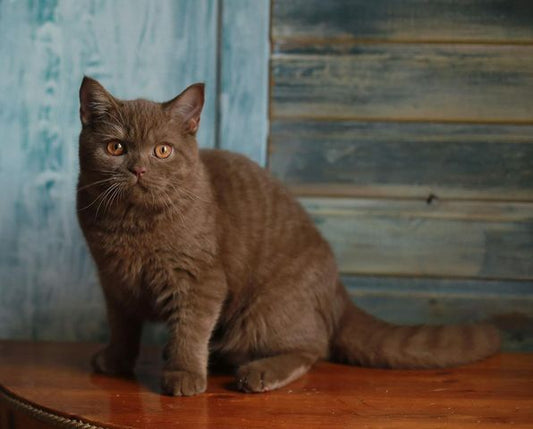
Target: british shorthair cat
<point>209,243</point>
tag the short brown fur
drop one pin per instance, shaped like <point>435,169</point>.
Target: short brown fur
<point>209,243</point>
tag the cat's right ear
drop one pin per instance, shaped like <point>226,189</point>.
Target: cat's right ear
<point>95,101</point>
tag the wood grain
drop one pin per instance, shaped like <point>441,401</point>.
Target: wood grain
<point>413,238</point>
<point>495,393</point>
<point>404,159</point>
<point>436,301</point>
<point>343,21</point>
<point>458,83</point>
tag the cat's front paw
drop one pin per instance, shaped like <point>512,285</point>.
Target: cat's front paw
<point>106,361</point>
<point>183,383</point>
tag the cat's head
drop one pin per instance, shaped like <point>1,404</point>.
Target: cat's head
<point>137,151</point>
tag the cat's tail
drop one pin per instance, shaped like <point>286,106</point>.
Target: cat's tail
<point>361,339</point>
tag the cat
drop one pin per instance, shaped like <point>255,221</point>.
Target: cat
<point>209,243</point>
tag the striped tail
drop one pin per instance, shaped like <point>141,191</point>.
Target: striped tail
<point>364,340</point>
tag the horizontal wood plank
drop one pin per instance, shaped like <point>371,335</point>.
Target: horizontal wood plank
<point>404,159</point>
<point>413,238</point>
<point>417,192</point>
<point>450,83</point>
<point>507,304</point>
<point>408,20</point>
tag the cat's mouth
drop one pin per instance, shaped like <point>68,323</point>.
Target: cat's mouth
<point>139,183</point>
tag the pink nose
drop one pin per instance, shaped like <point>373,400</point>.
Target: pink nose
<point>138,171</point>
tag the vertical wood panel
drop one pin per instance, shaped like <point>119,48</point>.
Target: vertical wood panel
<point>244,77</point>
<point>48,288</point>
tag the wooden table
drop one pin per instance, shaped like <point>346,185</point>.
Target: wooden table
<point>50,383</point>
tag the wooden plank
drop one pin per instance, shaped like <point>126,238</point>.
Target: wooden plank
<point>344,21</point>
<point>508,304</point>
<point>458,83</point>
<point>244,81</point>
<point>493,394</point>
<point>404,159</point>
<point>136,48</point>
<point>417,192</point>
<point>413,238</point>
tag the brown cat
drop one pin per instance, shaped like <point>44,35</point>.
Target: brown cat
<point>209,243</point>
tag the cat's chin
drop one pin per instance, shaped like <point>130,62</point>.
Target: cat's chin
<point>140,196</point>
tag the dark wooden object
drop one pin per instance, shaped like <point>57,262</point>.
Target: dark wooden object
<point>49,383</point>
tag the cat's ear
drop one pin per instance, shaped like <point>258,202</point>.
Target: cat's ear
<point>95,101</point>
<point>188,107</point>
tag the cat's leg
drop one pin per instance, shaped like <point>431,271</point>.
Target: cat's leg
<point>191,320</point>
<point>119,356</point>
<point>273,372</point>
<point>286,325</point>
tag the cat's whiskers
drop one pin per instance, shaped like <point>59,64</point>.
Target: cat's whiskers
<point>169,204</point>
<point>115,195</point>
<point>105,196</point>
<point>100,195</point>
<point>152,194</point>
<point>98,182</point>
<point>189,193</point>
<point>172,205</point>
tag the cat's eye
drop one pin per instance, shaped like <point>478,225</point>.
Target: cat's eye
<point>115,148</point>
<point>163,151</point>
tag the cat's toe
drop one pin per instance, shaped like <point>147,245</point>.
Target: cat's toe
<point>183,383</point>
<point>251,380</point>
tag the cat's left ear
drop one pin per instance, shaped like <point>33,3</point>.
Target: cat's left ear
<point>188,107</point>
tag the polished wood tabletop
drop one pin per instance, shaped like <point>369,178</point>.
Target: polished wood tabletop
<point>51,383</point>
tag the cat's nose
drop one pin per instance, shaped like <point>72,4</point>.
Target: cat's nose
<point>138,170</point>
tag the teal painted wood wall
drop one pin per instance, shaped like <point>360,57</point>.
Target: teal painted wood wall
<point>136,48</point>
<point>406,127</point>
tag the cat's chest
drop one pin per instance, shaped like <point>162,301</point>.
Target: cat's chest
<point>134,260</point>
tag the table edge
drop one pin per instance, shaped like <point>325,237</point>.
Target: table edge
<point>42,414</point>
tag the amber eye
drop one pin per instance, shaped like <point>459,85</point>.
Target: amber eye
<point>115,148</point>
<point>163,151</point>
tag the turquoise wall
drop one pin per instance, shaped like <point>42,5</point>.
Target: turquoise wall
<point>153,49</point>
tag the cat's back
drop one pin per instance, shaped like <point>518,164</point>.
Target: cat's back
<point>228,166</point>
<point>239,182</point>
<point>259,219</point>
